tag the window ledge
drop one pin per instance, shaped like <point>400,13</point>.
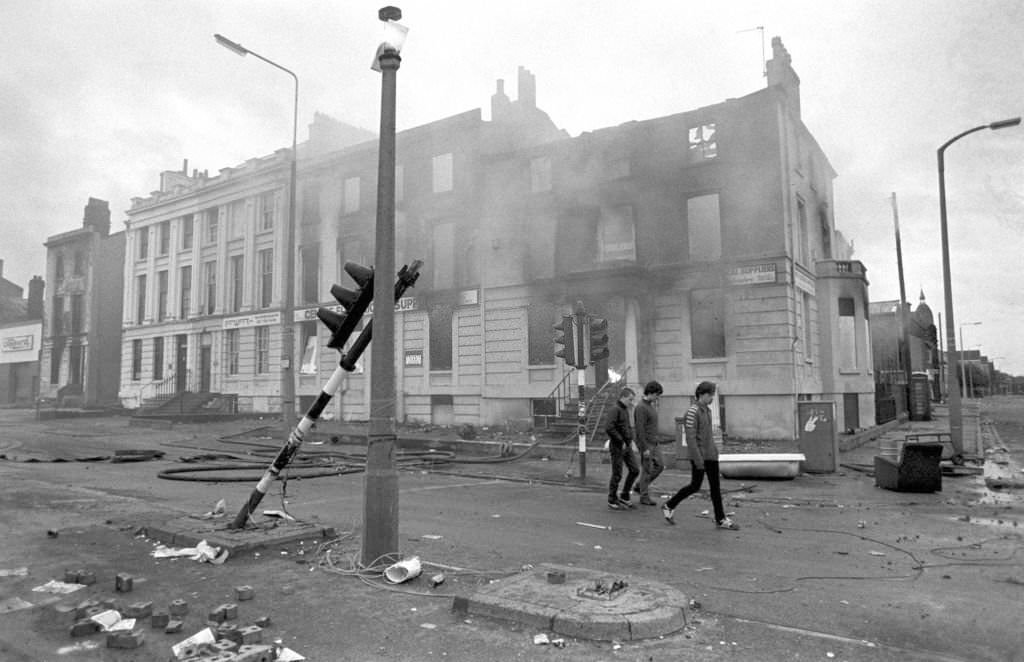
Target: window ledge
<point>849,371</point>
<point>724,359</point>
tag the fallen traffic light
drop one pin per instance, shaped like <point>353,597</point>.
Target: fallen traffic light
<point>406,278</point>
<point>353,303</point>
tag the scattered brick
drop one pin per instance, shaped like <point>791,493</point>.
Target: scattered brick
<point>225,645</point>
<point>65,615</point>
<point>243,593</point>
<point>254,653</point>
<point>70,576</point>
<point>123,583</point>
<point>263,621</point>
<point>160,619</point>
<point>230,632</point>
<point>173,626</point>
<point>224,612</point>
<point>86,577</point>
<point>132,639</point>
<point>83,607</point>
<point>251,634</point>
<point>139,610</point>
<point>178,607</point>
<point>84,628</point>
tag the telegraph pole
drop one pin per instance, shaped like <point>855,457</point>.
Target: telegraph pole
<point>904,324</point>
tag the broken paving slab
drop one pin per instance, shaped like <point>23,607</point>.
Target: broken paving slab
<point>189,532</point>
<point>590,604</point>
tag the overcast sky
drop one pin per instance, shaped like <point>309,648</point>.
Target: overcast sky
<point>98,97</point>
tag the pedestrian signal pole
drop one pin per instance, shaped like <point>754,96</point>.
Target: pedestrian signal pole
<point>581,341</point>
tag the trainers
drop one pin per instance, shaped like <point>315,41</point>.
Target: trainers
<point>626,503</point>
<point>615,505</point>
<point>647,501</point>
<point>728,524</point>
<point>668,513</point>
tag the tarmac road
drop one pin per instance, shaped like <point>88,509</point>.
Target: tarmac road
<point>823,564</point>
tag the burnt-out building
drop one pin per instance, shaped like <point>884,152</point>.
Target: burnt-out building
<point>706,238</point>
<point>81,356</point>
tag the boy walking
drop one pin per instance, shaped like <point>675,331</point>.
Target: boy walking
<point>647,442</point>
<point>703,458</point>
<point>619,440</point>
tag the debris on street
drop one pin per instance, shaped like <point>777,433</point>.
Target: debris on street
<point>54,586</point>
<point>202,552</point>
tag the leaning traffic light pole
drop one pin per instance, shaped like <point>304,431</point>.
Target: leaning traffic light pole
<point>341,326</point>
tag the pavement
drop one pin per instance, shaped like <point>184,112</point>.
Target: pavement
<point>565,600</point>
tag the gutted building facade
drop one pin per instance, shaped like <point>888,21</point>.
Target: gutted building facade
<point>81,355</point>
<point>706,238</point>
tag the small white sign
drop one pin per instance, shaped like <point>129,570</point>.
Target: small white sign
<point>751,274</point>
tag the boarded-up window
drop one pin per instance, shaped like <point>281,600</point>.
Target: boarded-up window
<point>704,228</point>
<point>311,273</point>
<point>847,334</point>
<point>351,195</point>
<point>707,324</point>
<point>442,173</point>
<point>540,332</point>
<point>441,337</point>
<point>617,234</point>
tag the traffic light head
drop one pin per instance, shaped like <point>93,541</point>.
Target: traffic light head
<point>353,302</point>
<point>598,328</point>
<point>565,340</point>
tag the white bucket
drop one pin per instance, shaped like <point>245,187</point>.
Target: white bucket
<point>890,448</point>
<point>404,570</point>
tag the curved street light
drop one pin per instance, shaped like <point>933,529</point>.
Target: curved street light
<point>956,426</point>
<point>288,300</point>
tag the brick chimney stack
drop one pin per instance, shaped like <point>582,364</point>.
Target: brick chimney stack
<point>36,287</point>
<point>527,88</point>
<point>781,74</point>
<point>97,216</point>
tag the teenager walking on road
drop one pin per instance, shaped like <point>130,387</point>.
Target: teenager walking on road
<point>647,442</point>
<point>620,438</point>
<point>703,458</point>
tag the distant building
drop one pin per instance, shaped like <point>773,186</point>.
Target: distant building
<point>706,238</point>
<point>81,358</point>
<point>888,348</point>
<point>20,340</point>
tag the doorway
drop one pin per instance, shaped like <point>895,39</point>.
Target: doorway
<point>181,363</point>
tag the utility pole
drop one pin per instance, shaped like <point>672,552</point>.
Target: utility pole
<point>380,494</point>
<point>904,324</point>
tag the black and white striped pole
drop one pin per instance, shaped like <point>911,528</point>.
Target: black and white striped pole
<point>290,448</point>
<point>355,305</point>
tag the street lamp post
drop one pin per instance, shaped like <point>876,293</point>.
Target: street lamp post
<point>963,371</point>
<point>955,408</point>
<point>288,300</point>
<point>380,488</point>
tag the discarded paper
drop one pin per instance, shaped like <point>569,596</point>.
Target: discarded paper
<point>54,586</point>
<point>202,552</point>
<point>14,572</point>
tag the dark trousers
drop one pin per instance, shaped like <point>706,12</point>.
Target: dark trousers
<point>652,466</point>
<point>696,478</point>
<point>621,454</point>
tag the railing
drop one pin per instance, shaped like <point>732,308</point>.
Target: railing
<point>598,403</point>
<point>165,388</point>
<point>563,392</point>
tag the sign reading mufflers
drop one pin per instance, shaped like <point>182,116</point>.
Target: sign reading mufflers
<point>16,343</point>
<point>751,274</point>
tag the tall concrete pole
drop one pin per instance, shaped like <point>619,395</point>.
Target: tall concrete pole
<point>380,494</point>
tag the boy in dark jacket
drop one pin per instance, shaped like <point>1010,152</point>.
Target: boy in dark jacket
<point>703,458</point>
<point>620,439</point>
